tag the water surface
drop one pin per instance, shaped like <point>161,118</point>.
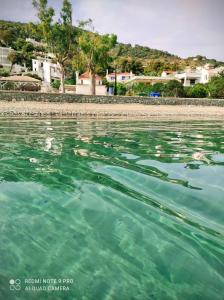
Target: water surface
<point>129,210</point>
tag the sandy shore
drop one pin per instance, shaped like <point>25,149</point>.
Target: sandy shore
<point>46,109</point>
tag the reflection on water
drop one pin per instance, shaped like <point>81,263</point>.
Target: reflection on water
<point>129,210</point>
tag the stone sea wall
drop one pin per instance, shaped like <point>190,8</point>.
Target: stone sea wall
<point>72,98</point>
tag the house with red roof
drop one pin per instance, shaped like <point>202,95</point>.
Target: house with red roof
<point>121,76</point>
<point>83,84</point>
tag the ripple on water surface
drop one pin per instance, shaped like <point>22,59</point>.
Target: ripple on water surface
<point>129,210</point>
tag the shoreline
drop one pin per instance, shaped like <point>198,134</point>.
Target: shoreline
<point>32,109</point>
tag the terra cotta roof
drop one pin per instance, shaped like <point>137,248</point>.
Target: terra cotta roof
<point>86,75</point>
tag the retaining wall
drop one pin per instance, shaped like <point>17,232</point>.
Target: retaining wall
<point>73,98</point>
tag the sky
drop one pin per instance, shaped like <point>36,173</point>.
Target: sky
<point>182,27</point>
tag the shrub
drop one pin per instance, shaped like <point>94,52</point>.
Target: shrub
<point>158,87</point>
<point>197,91</point>
<point>4,72</point>
<point>141,87</point>
<point>70,81</point>
<point>173,89</point>
<point>121,89</point>
<point>216,87</point>
<point>56,84</point>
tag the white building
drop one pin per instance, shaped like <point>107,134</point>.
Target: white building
<point>35,43</point>
<point>46,70</point>
<point>191,77</point>
<point>4,52</point>
<point>121,77</point>
<point>83,84</point>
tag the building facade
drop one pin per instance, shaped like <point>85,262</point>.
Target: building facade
<point>121,77</point>
<point>46,70</point>
<point>83,84</point>
<point>190,77</point>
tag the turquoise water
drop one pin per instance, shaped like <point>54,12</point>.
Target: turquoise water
<point>127,210</point>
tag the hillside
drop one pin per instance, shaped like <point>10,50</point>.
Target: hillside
<point>140,59</point>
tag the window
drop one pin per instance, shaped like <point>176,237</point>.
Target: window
<point>192,81</point>
<point>122,77</point>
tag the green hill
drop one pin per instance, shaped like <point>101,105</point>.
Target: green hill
<point>140,59</point>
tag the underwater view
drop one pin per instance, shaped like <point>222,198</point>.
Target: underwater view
<point>112,210</point>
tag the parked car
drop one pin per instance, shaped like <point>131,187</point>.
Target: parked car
<point>154,94</point>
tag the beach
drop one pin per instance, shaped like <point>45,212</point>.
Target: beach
<point>121,111</point>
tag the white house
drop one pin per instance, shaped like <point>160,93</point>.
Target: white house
<point>190,77</point>
<point>46,70</point>
<point>121,77</point>
<point>83,84</point>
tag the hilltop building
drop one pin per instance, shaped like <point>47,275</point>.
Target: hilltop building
<point>35,43</point>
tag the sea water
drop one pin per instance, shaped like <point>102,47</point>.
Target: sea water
<point>111,210</point>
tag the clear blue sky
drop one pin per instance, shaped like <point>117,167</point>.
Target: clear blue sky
<point>182,27</point>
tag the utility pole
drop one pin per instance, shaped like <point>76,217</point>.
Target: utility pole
<point>115,81</point>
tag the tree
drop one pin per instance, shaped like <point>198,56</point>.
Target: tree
<point>173,89</point>
<point>6,37</point>
<point>15,57</point>
<point>59,36</point>
<point>216,87</point>
<point>94,51</point>
<point>24,53</point>
<point>126,64</point>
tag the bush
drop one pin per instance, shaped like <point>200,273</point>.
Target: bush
<point>216,87</point>
<point>141,87</point>
<point>121,89</point>
<point>56,84</point>
<point>70,81</point>
<point>158,87</point>
<point>4,72</point>
<point>197,91</point>
<point>173,89</point>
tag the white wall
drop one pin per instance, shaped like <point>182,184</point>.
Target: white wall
<point>46,70</point>
<point>3,57</point>
<point>86,89</point>
<point>120,77</point>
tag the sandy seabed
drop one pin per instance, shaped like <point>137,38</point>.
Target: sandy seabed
<point>120,111</point>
